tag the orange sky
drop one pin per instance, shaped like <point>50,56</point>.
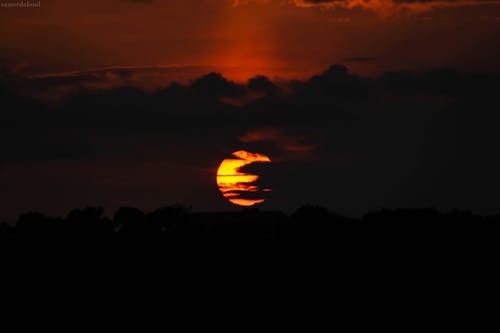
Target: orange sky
<point>275,38</point>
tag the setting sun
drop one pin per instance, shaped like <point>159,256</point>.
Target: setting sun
<point>233,183</point>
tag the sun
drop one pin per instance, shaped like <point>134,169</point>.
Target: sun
<point>233,183</point>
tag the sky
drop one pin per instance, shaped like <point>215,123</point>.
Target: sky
<point>277,38</point>
<point>360,105</point>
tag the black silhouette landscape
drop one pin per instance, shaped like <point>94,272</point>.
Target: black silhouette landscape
<point>406,231</point>
<point>370,110</point>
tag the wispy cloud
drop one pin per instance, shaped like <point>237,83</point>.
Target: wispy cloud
<point>382,7</point>
<point>391,7</point>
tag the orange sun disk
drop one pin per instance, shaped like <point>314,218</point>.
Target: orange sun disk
<point>232,182</point>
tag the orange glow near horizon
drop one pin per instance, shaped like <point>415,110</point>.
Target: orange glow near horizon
<point>248,41</point>
<point>232,182</point>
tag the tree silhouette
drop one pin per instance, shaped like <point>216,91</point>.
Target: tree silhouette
<point>401,233</point>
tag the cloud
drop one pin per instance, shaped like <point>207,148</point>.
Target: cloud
<point>285,144</point>
<point>384,7</point>
<point>53,86</point>
<point>347,141</point>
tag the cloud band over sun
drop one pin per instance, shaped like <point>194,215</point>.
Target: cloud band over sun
<point>383,7</point>
<point>399,139</point>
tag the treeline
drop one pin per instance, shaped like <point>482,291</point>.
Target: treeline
<point>309,225</point>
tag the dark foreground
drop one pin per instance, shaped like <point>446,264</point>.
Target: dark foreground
<point>401,256</point>
<point>310,228</point>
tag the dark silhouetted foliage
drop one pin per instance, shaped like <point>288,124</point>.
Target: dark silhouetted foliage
<point>409,231</point>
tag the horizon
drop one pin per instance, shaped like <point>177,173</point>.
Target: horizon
<point>236,211</point>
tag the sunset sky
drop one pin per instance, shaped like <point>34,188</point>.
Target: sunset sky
<point>241,38</point>
<point>407,116</point>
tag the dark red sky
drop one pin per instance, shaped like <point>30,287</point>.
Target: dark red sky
<point>388,130</point>
<point>241,38</point>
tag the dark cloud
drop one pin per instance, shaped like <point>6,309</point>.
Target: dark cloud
<point>322,1</point>
<point>52,86</point>
<point>390,7</point>
<point>262,84</point>
<point>214,85</point>
<point>362,59</point>
<point>349,142</point>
